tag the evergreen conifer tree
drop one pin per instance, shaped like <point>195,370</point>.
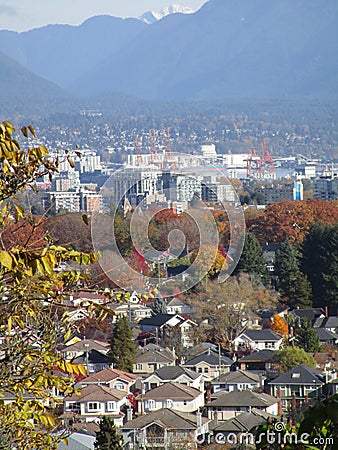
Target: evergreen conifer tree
<point>292,284</point>
<point>122,351</point>
<point>252,259</point>
<point>107,438</point>
<point>307,338</point>
<point>320,264</point>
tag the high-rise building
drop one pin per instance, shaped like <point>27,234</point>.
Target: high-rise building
<point>326,188</point>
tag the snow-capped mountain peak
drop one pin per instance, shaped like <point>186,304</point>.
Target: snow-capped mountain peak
<point>152,16</point>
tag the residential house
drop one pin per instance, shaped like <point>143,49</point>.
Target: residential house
<point>85,298</point>
<point>94,402</point>
<point>258,340</point>
<point>326,336</point>
<point>165,429</point>
<point>151,358</point>
<point>69,352</point>
<point>178,306</point>
<point>261,362</point>
<point>93,360</point>
<point>294,386</point>
<point>112,378</point>
<point>240,425</point>
<point>173,396</point>
<point>237,381</point>
<point>329,323</point>
<point>135,311</point>
<point>310,314</point>
<point>210,364</point>
<point>176,374</point>
<point>160,323</point>
<point>230,404</point>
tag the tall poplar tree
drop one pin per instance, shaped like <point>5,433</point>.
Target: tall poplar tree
<point>122,351</point>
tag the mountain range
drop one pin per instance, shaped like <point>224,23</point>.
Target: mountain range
<point>153,16</point>
<point>229,48</point>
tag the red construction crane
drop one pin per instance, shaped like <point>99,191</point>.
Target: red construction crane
<point>267,161</point>
<point>259,166</point>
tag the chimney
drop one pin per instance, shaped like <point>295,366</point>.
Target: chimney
<point>129,413</point>
<point>326,311</point>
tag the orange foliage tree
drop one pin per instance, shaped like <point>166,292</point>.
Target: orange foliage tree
<point>292,220</point>
<point>278,325</point>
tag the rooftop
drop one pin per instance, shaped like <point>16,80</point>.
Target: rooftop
<point>172,391</point>
<point>211,358</point>
<point>166,418</point>
<point>242,398</point>
<point>302,374</point>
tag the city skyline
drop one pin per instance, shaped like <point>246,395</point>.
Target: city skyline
<point>23,15</point>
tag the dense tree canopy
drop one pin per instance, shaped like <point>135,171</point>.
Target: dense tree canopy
<point>292,220</point>
<point>320,264</point>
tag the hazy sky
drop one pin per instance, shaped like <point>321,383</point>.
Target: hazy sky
<point>21,15</point>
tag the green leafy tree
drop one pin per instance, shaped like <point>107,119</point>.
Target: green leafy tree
<point>292,284</point>
<point>320,264</point>
<point>290,357</point>
<point>122,351</point>
<point>107,438</point>
<point>32,307</point>
<point>307,338</point>
<point>252,259</point>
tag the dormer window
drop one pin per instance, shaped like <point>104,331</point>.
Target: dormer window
<point>296,375</point>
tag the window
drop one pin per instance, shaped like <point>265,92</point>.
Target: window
<point>111,406</point>
<point>93,406</point>
<point>138,366</point>
<point>269,345</point>
<point>206,369</point>
<point>150,404</point>
<point>119,386</point>
<point>200,369</point>
<point>168,403</point>
<point>73,406</point>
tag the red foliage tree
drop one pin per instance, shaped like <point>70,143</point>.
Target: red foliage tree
<point>292,220</point>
